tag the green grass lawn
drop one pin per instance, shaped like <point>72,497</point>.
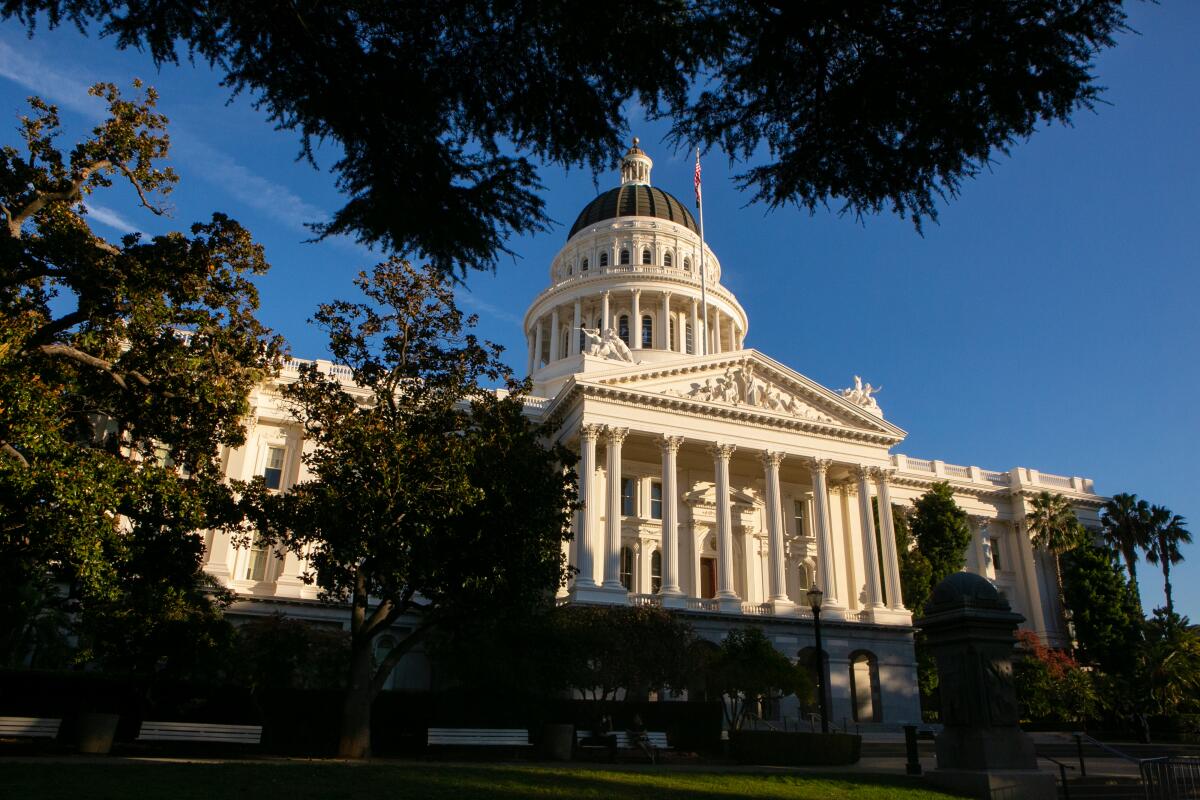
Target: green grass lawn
<point>376,781</point>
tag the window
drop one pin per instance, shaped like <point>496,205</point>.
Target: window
<point>627,497</point>
<point>687,264</point>
<point>646,257</point>
<point>627,568</point>
<point>656,572</point>
<point>995,546</point>
<point>656,500</point>
<point>256,562</point>
<point>667,259</point>
<point>623,328</point>
<point>798,516</point>
<point>691,343</point>
<point>583,267</point>
<point>647,331</point>
<point>604,259</point>
<point>273,471</point>
<point>624,255</point>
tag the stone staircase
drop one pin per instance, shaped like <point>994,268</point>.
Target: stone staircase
<point>1102,787</point>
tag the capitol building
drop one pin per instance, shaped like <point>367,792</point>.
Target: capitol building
<point>716,481</point>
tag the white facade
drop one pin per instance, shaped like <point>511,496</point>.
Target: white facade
<point>715,481</point>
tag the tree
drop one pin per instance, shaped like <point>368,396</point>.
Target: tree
<point>1054,526</point>
<point>1106,612</point>
<point>916,573</point>
<point>1167,533</point>
<point>124,369</point>
<point>430,495</point>
<point>439,109</point>
<point>748,669</point>
<point>1051,685</point>
<point>942,532</point>
<point>1171,665</point>
<point>1126,529</point>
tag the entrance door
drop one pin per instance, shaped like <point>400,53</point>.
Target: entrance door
<point>708,578</point>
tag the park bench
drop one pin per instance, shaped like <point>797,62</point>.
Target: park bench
<point>479,737</point>
<point>29,727</point>
<point>199,732</point>
<point>656,740</point>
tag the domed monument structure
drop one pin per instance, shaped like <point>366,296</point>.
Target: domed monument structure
<point>716,481</point>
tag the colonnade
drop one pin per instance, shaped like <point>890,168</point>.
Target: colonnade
<point>677,313</point>
<point>882,589</point>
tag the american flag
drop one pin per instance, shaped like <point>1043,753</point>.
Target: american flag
<point>697,180</point>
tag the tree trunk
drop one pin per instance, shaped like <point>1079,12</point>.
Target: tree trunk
<point>1167,589</point>
<point>355,740</point>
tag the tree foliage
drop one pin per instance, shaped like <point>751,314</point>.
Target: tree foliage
<point>440,110</point>
<point>1051,685</point>
<point>429,494</point>
<point>1125,522</point>
<point>1106,612</point>
<point>124,369</point>
<point>747,669</point>
<point>941,531</point>
<point>1167,533</point>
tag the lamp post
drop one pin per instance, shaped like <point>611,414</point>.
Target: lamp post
<point>815,596</point>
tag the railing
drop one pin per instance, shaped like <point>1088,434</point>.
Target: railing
<point>327,367</point>
<point>1062,776</point>
<point>645,600</point>
<point>998,478</point>
<point>920,465</point>
<point>1054,480</point>
<point>1171,777</point>
<point>758,609</point>
<point>700,604</point>
<point>957,471</point>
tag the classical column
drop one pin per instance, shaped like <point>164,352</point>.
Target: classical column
<point>583,516</point>
<point>887,525</point>
<point>777,591</point>
<point>612,545</point>
<point>725,593</point>
<point>605,322</point>
<point>555,335</point>
<point>695,326</point>
<point>635,329</point>
<point>665,327</point>
<point>827,557</point>
<point>573,339</point>
<point>670,517</point>
<point>1037,612</point>
<point>717,333</point>
<point>537,346</point>
<point>529,341</point>
<point>870,549</point>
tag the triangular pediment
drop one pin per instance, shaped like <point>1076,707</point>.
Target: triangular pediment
<point>747,381</point>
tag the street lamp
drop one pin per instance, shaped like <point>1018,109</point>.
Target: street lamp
<point>815,596</point>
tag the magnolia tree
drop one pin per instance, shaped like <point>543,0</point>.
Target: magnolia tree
<point>431,497</point>
<point>125,367</point>
<point>748,670</point>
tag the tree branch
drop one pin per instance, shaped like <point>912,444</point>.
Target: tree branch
<point>66,351</point>
<point>401,649</point>
<point>137,186</point>
<point>42,198</point>
<point>9,450</point>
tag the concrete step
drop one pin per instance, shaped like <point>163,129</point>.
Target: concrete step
<point>1103,788</point>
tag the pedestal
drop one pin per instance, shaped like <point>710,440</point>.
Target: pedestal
<point>998,784</point>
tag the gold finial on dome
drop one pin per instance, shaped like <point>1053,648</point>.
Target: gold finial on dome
<point>635,166</point>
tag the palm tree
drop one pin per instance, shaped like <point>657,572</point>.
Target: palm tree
<point>1054,526</point>
<point>1167,533</point>
<point>1126,521</point>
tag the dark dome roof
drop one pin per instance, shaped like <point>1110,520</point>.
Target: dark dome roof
<point>633,200</point>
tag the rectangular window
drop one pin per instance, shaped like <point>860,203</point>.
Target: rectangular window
<point>708,578</point>
<point>273,471</point>
<point>995,547</point>
<point>655,499</point>
<point>647,332</point>
<point>627,568</point>
<point>798,516</point>
<point>627,497</point>
<point>256,562</point>
<point>656,572</point>
<point>691,343</point>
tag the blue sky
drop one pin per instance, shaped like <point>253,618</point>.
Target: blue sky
<point>1048,320</point>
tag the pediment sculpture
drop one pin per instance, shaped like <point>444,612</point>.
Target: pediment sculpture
<point>740,386</point>
<point>606,345</point>
<point>863,396</point>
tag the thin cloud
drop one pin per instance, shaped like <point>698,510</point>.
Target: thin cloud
<point>48,82</point>
<point>107,216</point>
<point>482,306</point>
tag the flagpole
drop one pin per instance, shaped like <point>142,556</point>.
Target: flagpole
<point>703,271</point>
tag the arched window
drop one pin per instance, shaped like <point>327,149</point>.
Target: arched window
<point>583,267</point>
<point>624,255</point>
<point>864,687</point>
<point>647,258</point>
<point>647,331</point>
<point>691,344</point>
<point>667,259</point>
<point>687,264</point>
<point>656,572</point>
<point>623,328</point>
<point>604,259</point>
<point>627,568</point>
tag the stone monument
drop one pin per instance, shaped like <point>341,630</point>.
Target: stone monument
<point>968,627</point>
